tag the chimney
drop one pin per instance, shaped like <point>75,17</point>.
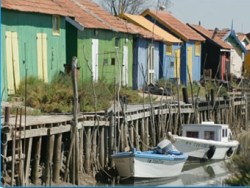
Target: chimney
<point>215,32</point>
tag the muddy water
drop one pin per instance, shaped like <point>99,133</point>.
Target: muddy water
<point>194,173</point>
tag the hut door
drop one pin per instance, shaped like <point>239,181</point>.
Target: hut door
<point>95,44</point>
<point>177,65</point>
<point>42,62</point>
<point>12,62</point>
<point>125,66</point>
<point>151,64</point>
<point>190,63</point>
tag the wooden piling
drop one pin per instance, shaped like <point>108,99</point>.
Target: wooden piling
<point>27,161</point>
<point>102,147</point>
<point>87,150</point>
<point>57,158</point>
<point>142,137</point>
<point>146,138</point>
<point>36,162</point>
<point>131,135</point>
<point>81,150</point>
<point>137,135</point>
<point>49,158</point>
<point>94,149</point>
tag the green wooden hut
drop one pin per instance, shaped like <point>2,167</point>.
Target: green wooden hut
<point>33,41</point>
<point>102,43</point>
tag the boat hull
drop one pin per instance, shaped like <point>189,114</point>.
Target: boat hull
<point>206,149</point>
<point>148,165</point>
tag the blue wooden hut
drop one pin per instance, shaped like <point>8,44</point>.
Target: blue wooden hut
<point>190,61</point>
<point>166,56</point>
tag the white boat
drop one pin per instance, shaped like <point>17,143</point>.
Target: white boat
<point>206,141</point>
<point>163,161</point>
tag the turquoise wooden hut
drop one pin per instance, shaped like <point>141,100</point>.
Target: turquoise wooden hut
<point>102,43</point>
<point>190,62</point>
<point>33,41</point>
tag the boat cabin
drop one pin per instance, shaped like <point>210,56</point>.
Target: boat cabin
<point>207,131</point>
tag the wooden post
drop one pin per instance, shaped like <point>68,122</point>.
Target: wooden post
<point>131,134</point>
<point>49,157</point>
<point>36,162</point>
<point>143,148</point>
<point>147,133</point>
<point>125,136</point>
<point>81,150</point>
<point>4,141</point>
<point>77,156</point>
<point>112,145</point>
<point>57,157</point>
<point>137,135</point>
<point>102,147</point>
<point>185,95</point>
<point>87,149</point>
<point>74,139</point>
<point>122,142</point>
<point>94,148</point>
<point>27,162</point>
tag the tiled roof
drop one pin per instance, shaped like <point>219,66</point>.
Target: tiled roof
<point>143,32</point>
<point>242,37</point>
<point>154,29</point>
<point>41,6</point>
<point>91,15</point>
<point>221,33</point>
<point>173,24</point>
<point>207,34</point>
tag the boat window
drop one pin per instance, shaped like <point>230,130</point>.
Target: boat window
<point>193,134</point>
<point>224,132</point>
<point>209,135</point>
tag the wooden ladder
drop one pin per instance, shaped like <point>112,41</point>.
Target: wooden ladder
<point>17,171</point>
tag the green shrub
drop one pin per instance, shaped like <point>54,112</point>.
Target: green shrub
<point>242,175</point>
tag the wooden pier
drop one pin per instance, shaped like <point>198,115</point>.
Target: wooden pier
<point>37,150</point>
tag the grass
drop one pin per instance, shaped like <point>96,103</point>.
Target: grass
<point>241,176</point>
<point>57,96</point>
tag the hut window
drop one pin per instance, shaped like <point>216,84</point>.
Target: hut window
<point>117,40</point>
<point>112,61</point>
<point>197,48</point>
<point>169,49</point>
<point>105,61</point>
<point>56,24</point>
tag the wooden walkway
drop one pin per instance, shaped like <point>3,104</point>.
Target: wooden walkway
<point>33,144</point>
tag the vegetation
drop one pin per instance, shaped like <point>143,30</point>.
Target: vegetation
<point>242,175</point>
<point>57,96</point>
<point>117,7</point>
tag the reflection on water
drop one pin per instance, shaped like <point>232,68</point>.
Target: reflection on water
<point>193,173</point>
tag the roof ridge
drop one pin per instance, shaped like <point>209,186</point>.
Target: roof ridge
<point>93,14</point>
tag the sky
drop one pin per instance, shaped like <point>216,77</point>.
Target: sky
<point>213,13</point>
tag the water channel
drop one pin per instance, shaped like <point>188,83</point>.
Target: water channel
<point>194,173</point>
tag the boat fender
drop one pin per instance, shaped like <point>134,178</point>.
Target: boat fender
<point>229,152</point>
<point>211,151</point>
